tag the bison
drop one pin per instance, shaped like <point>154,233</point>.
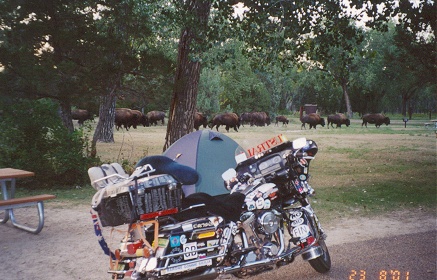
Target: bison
<point>338,119</point>
<point>155,116</point>
<point>245,118</point>
<point>199,119</point>
<point>140,118</point>
<point>312,119</point>
<point>81,116</point>
<point>259,119</point>
<point>282,119</point>
<point>226,119</point>
<point>376,119</point>
<point>127,118</point>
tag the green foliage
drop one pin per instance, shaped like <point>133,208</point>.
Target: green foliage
<point>33,138</point>
<point>210,88</point>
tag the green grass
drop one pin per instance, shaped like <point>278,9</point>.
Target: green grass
<point>357,171</point>
<point>371,200</point>
<point>72,196</point>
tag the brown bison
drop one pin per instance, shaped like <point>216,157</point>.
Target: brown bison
<point>127,118</point>
<point>282,119</point>
<point>259,119</point>
<point>81,116</point>
<point>312,119</point>
<point>140,118</point>
<point>338,119</point>
<point>376,119</point>
<point>155,116</point>
<point>245,118</point>
<point>226,119</point>
<point>199,119</point>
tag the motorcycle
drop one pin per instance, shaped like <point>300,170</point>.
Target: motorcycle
<point>266,220</point>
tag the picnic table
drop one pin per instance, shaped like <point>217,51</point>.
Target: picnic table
<point>8,176</point>
<point>432,124</point>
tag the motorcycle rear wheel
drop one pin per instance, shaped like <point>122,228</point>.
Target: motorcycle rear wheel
<point>322,264</point>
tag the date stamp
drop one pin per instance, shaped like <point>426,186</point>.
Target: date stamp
<point>391,274</point>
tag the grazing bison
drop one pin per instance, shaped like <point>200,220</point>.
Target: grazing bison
<point>199,119</point>
<point>282,119</point>
<point>124,118</point>
<point>155,116</point>
<point>81,115</point>
<point>226,119</point>
<point>245,118</point>
<point>259,119</point>
<point>127,118</point>
<point>338,119</point>
<point>376,119</point>
<point>139,118</point>
<point>312,119</point>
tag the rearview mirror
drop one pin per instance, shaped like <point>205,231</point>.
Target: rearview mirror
<point>229,174</point>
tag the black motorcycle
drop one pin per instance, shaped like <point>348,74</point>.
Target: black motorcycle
<point>264,222</point>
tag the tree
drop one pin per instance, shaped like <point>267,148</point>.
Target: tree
<point>275,28</point>
<point>45,51</point>
<point>183,103</point>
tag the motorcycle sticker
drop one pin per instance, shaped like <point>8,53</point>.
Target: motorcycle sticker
<point>267,204</point>
<point>211,243</point>
<point>177,259</point>
<point>162,242</point>
<point>297,222</point>
<point>250,205</point>
<point>190,250</point>
<point>202,225</point>
<point>259,203</point>
<point>183,239</point>
<point>175,241</point>
<point>301,231</point>
<point>295,215</point>
<point>185,267</point>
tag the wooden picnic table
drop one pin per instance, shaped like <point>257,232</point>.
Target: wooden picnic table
<point>9,202</point>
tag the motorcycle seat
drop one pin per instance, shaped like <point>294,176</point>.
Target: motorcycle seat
<point>228,206</point>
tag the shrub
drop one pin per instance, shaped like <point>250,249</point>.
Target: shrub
<point>32,137</point>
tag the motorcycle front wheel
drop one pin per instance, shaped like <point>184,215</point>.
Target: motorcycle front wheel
<point>322,264</point>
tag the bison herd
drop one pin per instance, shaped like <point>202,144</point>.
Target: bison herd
<point>127,118</point>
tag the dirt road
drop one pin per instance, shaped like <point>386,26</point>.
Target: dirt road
<point>67,248</point>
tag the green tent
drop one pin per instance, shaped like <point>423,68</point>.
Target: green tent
<point>210,153</point>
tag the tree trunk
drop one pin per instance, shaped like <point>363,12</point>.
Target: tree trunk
<point>346,98</point>
<point>65,114</point>
<point>105,126</point>
<point>404,104</point>
<point>184,100</point>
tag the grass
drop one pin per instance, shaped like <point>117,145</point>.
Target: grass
<point>357,171</point>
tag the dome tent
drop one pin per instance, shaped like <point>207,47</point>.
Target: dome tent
<point>210,153</point>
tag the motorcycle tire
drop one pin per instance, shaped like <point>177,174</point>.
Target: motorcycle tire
<point>322,264</point>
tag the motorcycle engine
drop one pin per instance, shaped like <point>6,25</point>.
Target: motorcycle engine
<point>268,222</point>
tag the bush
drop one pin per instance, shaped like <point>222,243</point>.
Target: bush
<point>32,137</point>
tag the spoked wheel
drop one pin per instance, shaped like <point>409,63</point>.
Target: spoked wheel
<point>322,264</point>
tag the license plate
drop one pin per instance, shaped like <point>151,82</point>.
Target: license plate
<point>184,267</point>
<point>301,231</point>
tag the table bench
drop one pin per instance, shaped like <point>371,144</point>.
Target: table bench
<point>14,203</point>
<point>9,202</point>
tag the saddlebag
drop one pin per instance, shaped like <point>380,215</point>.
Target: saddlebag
<point>138,199</point>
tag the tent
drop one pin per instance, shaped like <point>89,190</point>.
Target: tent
<point>210,153</point>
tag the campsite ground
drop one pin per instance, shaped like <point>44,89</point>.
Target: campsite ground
<point>67,249</point>
<point>355,161</point>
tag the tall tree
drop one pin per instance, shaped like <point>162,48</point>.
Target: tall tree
<point>45,49</point>
<point>275,28</point>
<point>183,103</point>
